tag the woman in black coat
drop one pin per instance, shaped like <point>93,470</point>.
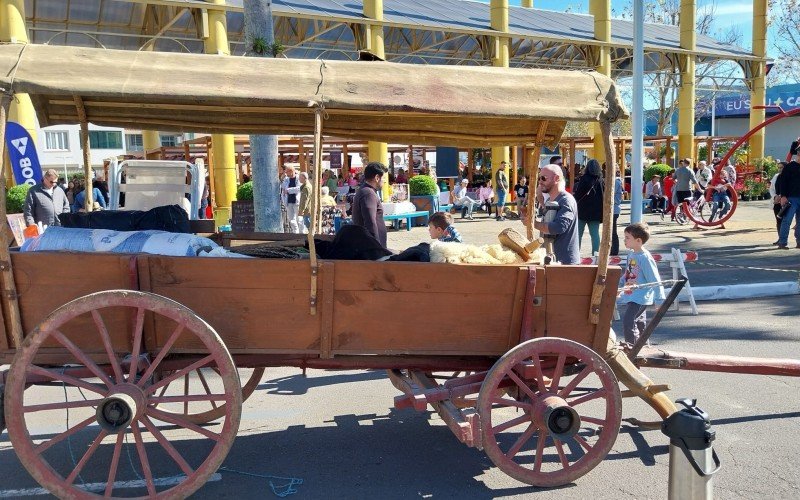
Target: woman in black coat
<point>589,195</point>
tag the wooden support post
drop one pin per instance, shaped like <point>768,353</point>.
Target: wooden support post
<point>9,298</point>
<point>187,153</point>
<point>301,156</point>
<point>410,161</point>
<point>88,203</point>
<point>345,159</point>
<point>315,205</point>
<point>710,150</point>
<point>470,166</point>
<point>513,177</point>
<point>605,240</point>
<point>572,162</point>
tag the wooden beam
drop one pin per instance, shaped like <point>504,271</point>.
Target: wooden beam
<point>9,299</point>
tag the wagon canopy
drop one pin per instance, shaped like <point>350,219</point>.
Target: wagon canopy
<point>401,103</point>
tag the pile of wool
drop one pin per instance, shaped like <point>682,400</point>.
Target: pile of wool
<point>462,253</point>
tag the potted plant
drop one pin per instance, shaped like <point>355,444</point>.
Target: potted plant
<point>422,191</point>
<point>243,217</point>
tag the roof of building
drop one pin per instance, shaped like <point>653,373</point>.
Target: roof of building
<point>433,32</point>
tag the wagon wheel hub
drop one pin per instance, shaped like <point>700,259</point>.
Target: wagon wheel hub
<point>125,403</point>
<point>553,414</point>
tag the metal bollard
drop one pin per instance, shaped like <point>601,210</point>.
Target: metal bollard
<point>692,460</point>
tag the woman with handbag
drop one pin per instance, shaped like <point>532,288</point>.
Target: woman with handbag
<point>589,195</point>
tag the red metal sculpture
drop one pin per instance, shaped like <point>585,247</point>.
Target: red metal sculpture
<point>702,217</point>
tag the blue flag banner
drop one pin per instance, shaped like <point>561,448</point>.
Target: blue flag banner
<point>22,153</point>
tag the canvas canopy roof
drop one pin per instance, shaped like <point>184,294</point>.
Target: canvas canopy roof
<point>399,103</point>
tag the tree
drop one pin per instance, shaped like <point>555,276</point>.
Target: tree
<point>786,19</point>
<point>661,87</point>
<point>260,42</point>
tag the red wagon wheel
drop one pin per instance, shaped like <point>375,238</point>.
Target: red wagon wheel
<point>202,381</point>
<point>541,396</point>
<point>117,402</point>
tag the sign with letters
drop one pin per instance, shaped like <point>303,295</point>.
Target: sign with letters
<point>22,153</point>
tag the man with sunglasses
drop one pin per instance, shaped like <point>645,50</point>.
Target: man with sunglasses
<point>564,228</point>
<point>45,201</point>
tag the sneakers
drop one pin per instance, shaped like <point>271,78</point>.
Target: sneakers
<point>782,247</point>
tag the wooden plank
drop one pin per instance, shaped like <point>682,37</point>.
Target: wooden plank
<point>517,308</point>
<point>251,303</point>
<point>144,284</point>
<point>540,310</point>
<point>423,277</point>
<point>46,281</point>
<point>255,274</point>
<point>327,276</point>
<point>447,322</point>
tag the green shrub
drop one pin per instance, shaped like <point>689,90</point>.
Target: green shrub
<point>656,168</point>
<point>15,198</point>
<point>245,192</point>
<point>768,165</point>
<point>421,185</point>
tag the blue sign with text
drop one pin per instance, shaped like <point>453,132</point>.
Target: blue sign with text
<point>22,153</point>
<point>785,96</point>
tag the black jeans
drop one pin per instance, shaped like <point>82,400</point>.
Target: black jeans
<point>615,237</point>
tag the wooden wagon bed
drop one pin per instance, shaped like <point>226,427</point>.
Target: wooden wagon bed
<point>260,306</point>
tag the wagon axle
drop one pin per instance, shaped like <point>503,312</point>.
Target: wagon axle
<point>125,403</point>
<point>556,415</point>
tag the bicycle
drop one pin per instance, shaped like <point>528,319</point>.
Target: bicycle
<point>698,206</point>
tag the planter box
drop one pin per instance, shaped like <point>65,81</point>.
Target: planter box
<point>424,203</point>
<point>243,216</point>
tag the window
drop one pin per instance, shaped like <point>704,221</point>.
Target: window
<point>56,140</point>
<point>134,142</point>
<point>105,139</point>
<point>170,141</point>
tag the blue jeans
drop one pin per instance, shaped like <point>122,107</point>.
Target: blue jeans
<point>786,222</point>
<point>717,199</point>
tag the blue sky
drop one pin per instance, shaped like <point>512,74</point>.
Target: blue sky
<point>728,13</point>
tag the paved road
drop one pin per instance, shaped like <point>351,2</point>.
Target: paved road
<point>338,432</point>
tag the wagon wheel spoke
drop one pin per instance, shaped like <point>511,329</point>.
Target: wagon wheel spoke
<point>161,354</point>
<point>81,356</point>
<point>511,402</point>
<point>180,373</point>
<point>537,367</point>
<point>67,379</point>
<point>187,398</point>
<point>112,470</point>
<point>567,390</point>
<point>584,444</point>
<point>182,422</point>
<point>86,456</point>
<point>106,338</point>
<point>62,405</point>
<point>588,397</point>
<point>512,452</point>
<point>558,372</point>
<point>561,455</point>
<point>138,328</point>
<point>205,386</point>
<point>171,451</point>
<point>64,435</point>
<point>148,474</point>
<point>592,420</point>
<point>511,423</point>
<point>186,391</point>
<point>521,384</point>
<point>537,463</point>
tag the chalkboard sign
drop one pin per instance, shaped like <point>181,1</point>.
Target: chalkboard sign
<point>243,218</point>
<point>446,162</point>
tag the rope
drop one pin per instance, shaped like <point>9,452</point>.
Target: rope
<point>287,489</point>
<point>10,90</point>
<point>69,438</point>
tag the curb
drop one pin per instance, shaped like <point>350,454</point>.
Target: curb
<point>742,291</point>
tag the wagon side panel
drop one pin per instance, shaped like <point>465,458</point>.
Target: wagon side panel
<point>567,299</point>
<point>424,308</point>
<point>46,281</point>
<point>256,305</point>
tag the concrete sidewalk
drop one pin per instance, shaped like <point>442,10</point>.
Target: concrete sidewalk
<point>740,254</point>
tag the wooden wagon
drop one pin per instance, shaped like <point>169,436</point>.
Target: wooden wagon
<point>122,345</point>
